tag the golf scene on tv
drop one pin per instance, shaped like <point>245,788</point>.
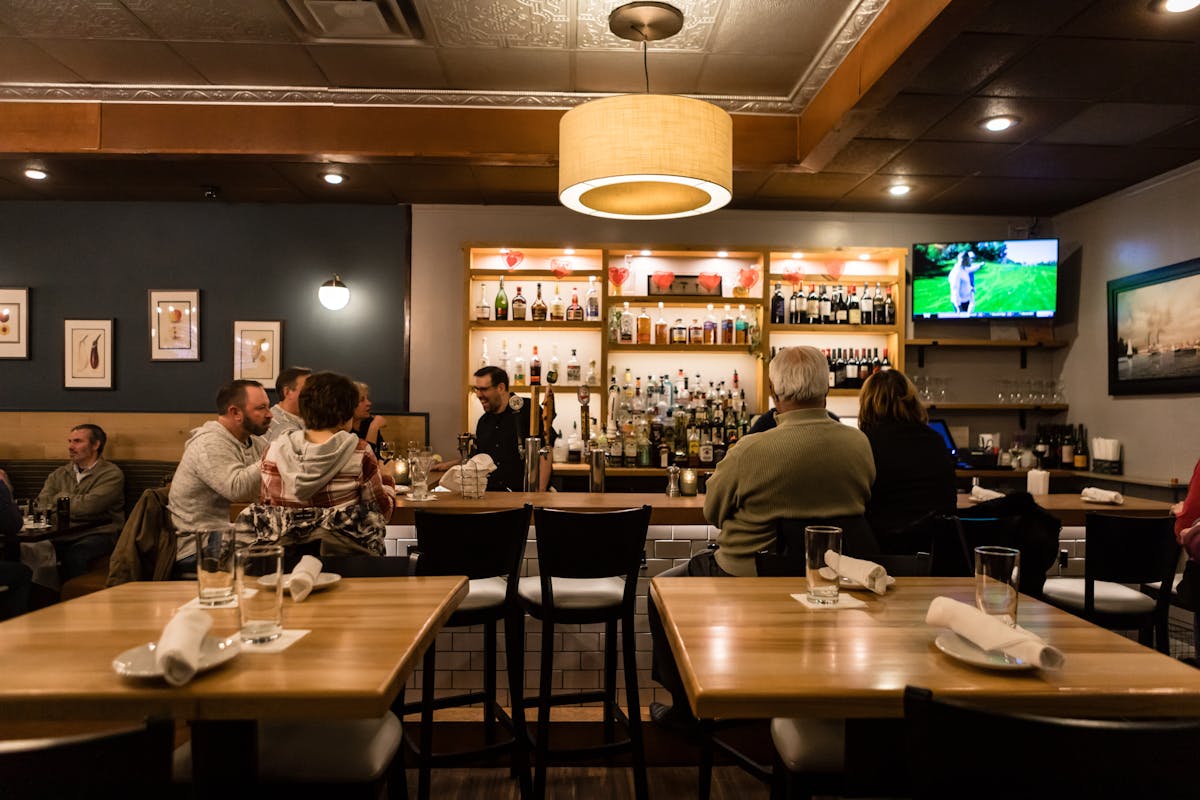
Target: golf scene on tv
<point>973,280</point>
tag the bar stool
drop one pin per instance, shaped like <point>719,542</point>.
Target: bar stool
<point>487,548</point>
<point>588,566</point>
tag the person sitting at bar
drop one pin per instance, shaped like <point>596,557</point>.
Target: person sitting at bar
<point>285,415</point>
<point>15,577</point>
<point>500,433</point>
<point>220,465</point>
<point>914,472</point>
<point>807,466</point>
<point>365,425</point>
<point>96,488</point>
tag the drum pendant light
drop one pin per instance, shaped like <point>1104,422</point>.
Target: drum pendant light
<point>645,156</point>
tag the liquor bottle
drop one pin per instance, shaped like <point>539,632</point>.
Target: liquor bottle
<point>777,305</point>
<point>558,308</point>
<point>518,305</point>
<point>867,306</point>
<point>679,332</point>
<point>573,368</point>
<point>832,370</point>
<point>574,311</point>
<point>518,368</point>
<point>1067,448</point>
<point>501,302</point>
<point>727,326</point>
<point>643,446</point>
<point>483,311</point>
<point>693,445</point>
<point>855,310</point>
<point>796,305</point>
<point>552,373</point>
<point>643,327</point>
<point>840,366</point>
<point>1081,449</point>
<point>590,378</point>
<point>812,309</point>
<point>661,334</point>
<point>630,445</point>
<point>741,327</point>
<point>852,381</point>
<point>889,308</point>
<point>706,448</point>
<point>876,363</point>
<point>696,332</point>
<point>592,303</point>
<point>627,330</point>
<point>484,360</point>
<point>841,310</point>
<point>710,326</point>
<point>538,310</point>
<point>826,306</point>
<point>503,363</point>
<point>535,368</point>
<point>886,363</point>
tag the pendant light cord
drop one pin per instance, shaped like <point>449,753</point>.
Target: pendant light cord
<point>646,65</point>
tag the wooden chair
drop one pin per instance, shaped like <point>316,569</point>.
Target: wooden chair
<point>857,539</point>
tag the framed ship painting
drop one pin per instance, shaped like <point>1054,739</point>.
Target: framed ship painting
<point>1154,331</point>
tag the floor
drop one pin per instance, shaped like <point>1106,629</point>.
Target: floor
<point>584,783</point>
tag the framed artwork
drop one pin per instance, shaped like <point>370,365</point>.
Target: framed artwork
<point>1154,332</point>
<point>14,323</point>
<point>256,351</point>
<point>174,325</point>
<point>87,355</point>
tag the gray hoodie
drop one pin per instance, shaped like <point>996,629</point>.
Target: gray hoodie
<point>305,468</point>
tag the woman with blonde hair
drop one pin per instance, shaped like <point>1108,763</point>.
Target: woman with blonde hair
<point>914,471</point>
<point>367,427</point>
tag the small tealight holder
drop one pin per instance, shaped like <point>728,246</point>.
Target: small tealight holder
<point>688,481</point>
<point>400,465</point>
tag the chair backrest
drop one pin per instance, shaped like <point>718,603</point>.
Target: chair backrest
<point>857,539</point>
<point>1006,532</point>
<point>1129,550</point>
<point>481,545</point>
<point>919,565</point>
<point>573,544</point>
<point>956,750</point>
<point>367,566</point>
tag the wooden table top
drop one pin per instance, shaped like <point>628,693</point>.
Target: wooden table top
<point>1071,509</point>
<point>745,648</point>
<point>366,637</point>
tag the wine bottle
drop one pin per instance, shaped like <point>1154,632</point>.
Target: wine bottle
<point>1081,449</point>
<point>797,305</point>
<point>854,310</point>
<point>501,302</point>
<point>889,309</point>
<point>826,306</point>
<point>841,310</point>
<point>518,305</point>
<point>812,310</point>
<point>777,304</point>
<point>866,305</point>
<point>538,310</point>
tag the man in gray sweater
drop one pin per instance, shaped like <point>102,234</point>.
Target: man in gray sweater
<point>220,464</point>
<point>285,415</point>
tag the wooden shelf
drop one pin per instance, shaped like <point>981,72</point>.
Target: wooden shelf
<point>737,349</point>
<point>529,324</point>
<point>674,301</point>
<point>777,327</point>
<point>1048,408</point>
<point>985,343</point>
<point>843,393</point>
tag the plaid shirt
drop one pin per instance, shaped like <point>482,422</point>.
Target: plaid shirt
<point>360,481</point>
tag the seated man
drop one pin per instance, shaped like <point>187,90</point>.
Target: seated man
<point>219,465</point>
<point>15,577</point>
<point>97,491</point>
<point>807,466</point>
<point>285,415</point>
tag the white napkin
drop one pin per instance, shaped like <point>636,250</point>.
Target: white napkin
<point>865,573</point>
<point>303,577</point>
<point>980,494</point>
<point>1037,481</point>
<point>452,480</point>
<point>989,633</point>
<point>1094,495</point>
<point>178,651</point>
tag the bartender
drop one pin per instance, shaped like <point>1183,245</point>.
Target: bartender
<point>503,426</point>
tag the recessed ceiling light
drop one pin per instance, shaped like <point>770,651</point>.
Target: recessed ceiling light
<point>645,252</point>
<point>570,251</point>
<point>333,178</point>
<point>722,254</point>
<point>899,189</point>
<point>1002,122</point>
<point>1179,6</point>
<point>864,256</point>
<point>797,254</point>
<point>36,174</point>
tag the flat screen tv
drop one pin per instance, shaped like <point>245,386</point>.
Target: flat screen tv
<point>985,279</point>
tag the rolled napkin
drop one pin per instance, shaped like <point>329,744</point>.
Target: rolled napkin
<point>989,633</point>
<point>303,577</point>
<point>452,480</point>
<point>980,494</point>
<point>1037,481</point>
<point>1094,495</point>
<point>178,650</point>
<point>865,573</point>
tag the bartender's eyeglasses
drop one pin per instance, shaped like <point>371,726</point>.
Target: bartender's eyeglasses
<point>481,389</point>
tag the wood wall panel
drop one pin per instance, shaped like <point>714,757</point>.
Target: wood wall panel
<point>49,127</point>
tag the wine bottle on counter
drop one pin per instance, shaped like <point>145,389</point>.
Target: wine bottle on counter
<point>518,305</point>
<point>538,309</point>
<point>501,302</point>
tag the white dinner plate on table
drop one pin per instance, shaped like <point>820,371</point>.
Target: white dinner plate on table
<point>852,585</point>
<point>139,662</point>
<point>966,651</point>
<point>323,581</point>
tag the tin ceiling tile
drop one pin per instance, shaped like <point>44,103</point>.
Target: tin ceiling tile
<point>750,75</point>
<point>670,73</point>
<point>508,69</point>
<point>215,20</point>
<point>540,24</point>
<point>22,61</point>
<point>399,67</point>
<point>120,61</point>
<point>699,19</point>
<point>71,19</point>
<point>242,64</point>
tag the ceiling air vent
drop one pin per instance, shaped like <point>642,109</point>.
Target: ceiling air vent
<point>392,21</point>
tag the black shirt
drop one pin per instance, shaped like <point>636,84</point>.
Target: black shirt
<point>498,435</point>
<point>914,475</point>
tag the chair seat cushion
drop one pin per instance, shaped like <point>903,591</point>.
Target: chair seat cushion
<point>484,593</point>
<point>1111,598</point>
<point>1174,584</point>
<point>810,745</point>
<point>575,592</point>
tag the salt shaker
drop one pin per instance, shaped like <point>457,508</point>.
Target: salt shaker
<point>672,481</point>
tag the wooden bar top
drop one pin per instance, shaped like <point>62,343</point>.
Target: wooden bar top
<point>745,648</point>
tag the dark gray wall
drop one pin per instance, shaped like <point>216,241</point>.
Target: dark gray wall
<point>250,262</point>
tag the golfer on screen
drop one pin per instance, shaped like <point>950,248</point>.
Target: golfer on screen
<point>962,282</point>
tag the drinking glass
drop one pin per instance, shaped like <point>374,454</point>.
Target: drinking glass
<point>474,481</point>
<point>260,606</point>
<point>215,566</point>
<point>997,578</point>
<point>823,581</point>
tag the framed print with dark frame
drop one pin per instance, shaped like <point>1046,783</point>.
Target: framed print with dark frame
<point>88,354</point>
<point>14,323</point>
<point>256,348</point>
<point>1154,332</point>
<point>174,325</point>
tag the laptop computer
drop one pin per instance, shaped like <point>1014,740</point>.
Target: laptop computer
<point>943,430</point>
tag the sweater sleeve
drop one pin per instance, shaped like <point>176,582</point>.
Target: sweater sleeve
<point>225,473</point>
<point>372,488</point>
<point>720,498</point>
<point>102,497</point>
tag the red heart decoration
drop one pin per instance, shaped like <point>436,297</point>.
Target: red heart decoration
<point>663,280</point>
<point>792,276</point>
<point>618,275</point>
<point>747,277</point>
<point>513,258</point>
<point>834,268</point>
<point>709,280</point>
<point>561,267</point>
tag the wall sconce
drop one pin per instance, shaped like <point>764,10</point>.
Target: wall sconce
<point>333,294</point>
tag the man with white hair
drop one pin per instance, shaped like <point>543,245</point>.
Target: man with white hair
<point>808,466</point>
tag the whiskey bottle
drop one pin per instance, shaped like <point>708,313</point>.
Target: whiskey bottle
<point>696,333</point>
<point>518,305</point>
<point>679,334</point>
<point>727,326</point>
<point>538,310</point>
<point>661,335</point>
<point>501,302</point>
<point>643,327</point>
<point>535,368</point>
<point>558,309</point>
<point>628,330</point>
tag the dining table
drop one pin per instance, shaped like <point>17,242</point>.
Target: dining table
<point>365,637</point>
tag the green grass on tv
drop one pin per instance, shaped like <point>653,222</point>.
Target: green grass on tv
<point>998,288</point>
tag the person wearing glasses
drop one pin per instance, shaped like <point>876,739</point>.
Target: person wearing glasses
<point>500,433</point>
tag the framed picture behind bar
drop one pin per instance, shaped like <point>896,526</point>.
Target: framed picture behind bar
<point>256,348</point>
<point>1154,331</point>
<point>14,323</point>
<point>174,325</point>
<point>88,354</point>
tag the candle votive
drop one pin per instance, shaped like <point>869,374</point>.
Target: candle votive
<point>687,483</point>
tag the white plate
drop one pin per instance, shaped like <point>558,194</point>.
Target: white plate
<point>36,526</point>
<point>138,662</point>
<point>963,650</point>
<point>323,581</point>
<point>852,585</point>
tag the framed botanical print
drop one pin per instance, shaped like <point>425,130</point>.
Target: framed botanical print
<point>174,325</point>
<point>14,323</point>
<point>88,354</point>
<point>256,348</point>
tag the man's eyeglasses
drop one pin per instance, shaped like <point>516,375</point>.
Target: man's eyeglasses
<point>480,389</point>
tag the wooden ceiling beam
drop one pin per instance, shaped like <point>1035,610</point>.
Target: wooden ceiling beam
<point>49,127</point>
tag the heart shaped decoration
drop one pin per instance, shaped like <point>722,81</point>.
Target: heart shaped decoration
<point>792,276</point>
<point>513,258</point>
<point>618,275</point>
<point>834,268</point>
<point>711,281</point>
<point>747,277</point>
<point>561,267</point>
<point>663,279</point>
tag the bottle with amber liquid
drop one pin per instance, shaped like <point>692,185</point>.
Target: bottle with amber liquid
<point>538,310</point>
<point>643,327</point>
<point>518,305</point>
<point>679,332</point>
<point>501,302</point>
<point>574,311</point>
<point>661,329</point>
<point>727,326</point>
<point>535,368</point>
<point>558,308</point>
<point>696,333</point>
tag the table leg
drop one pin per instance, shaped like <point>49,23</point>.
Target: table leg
<point>706,758</point>
<point>224,754</point>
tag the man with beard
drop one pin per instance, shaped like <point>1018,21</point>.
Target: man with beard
<point>220,464</point>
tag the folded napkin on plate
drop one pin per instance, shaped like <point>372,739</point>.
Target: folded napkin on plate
<point>980,494</point>
<point>1094,495</point>
<point>989,633</point>
<point>865,573</point>
<point>303,577</point>
<point>452,480</point>
<point>178,650</point>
